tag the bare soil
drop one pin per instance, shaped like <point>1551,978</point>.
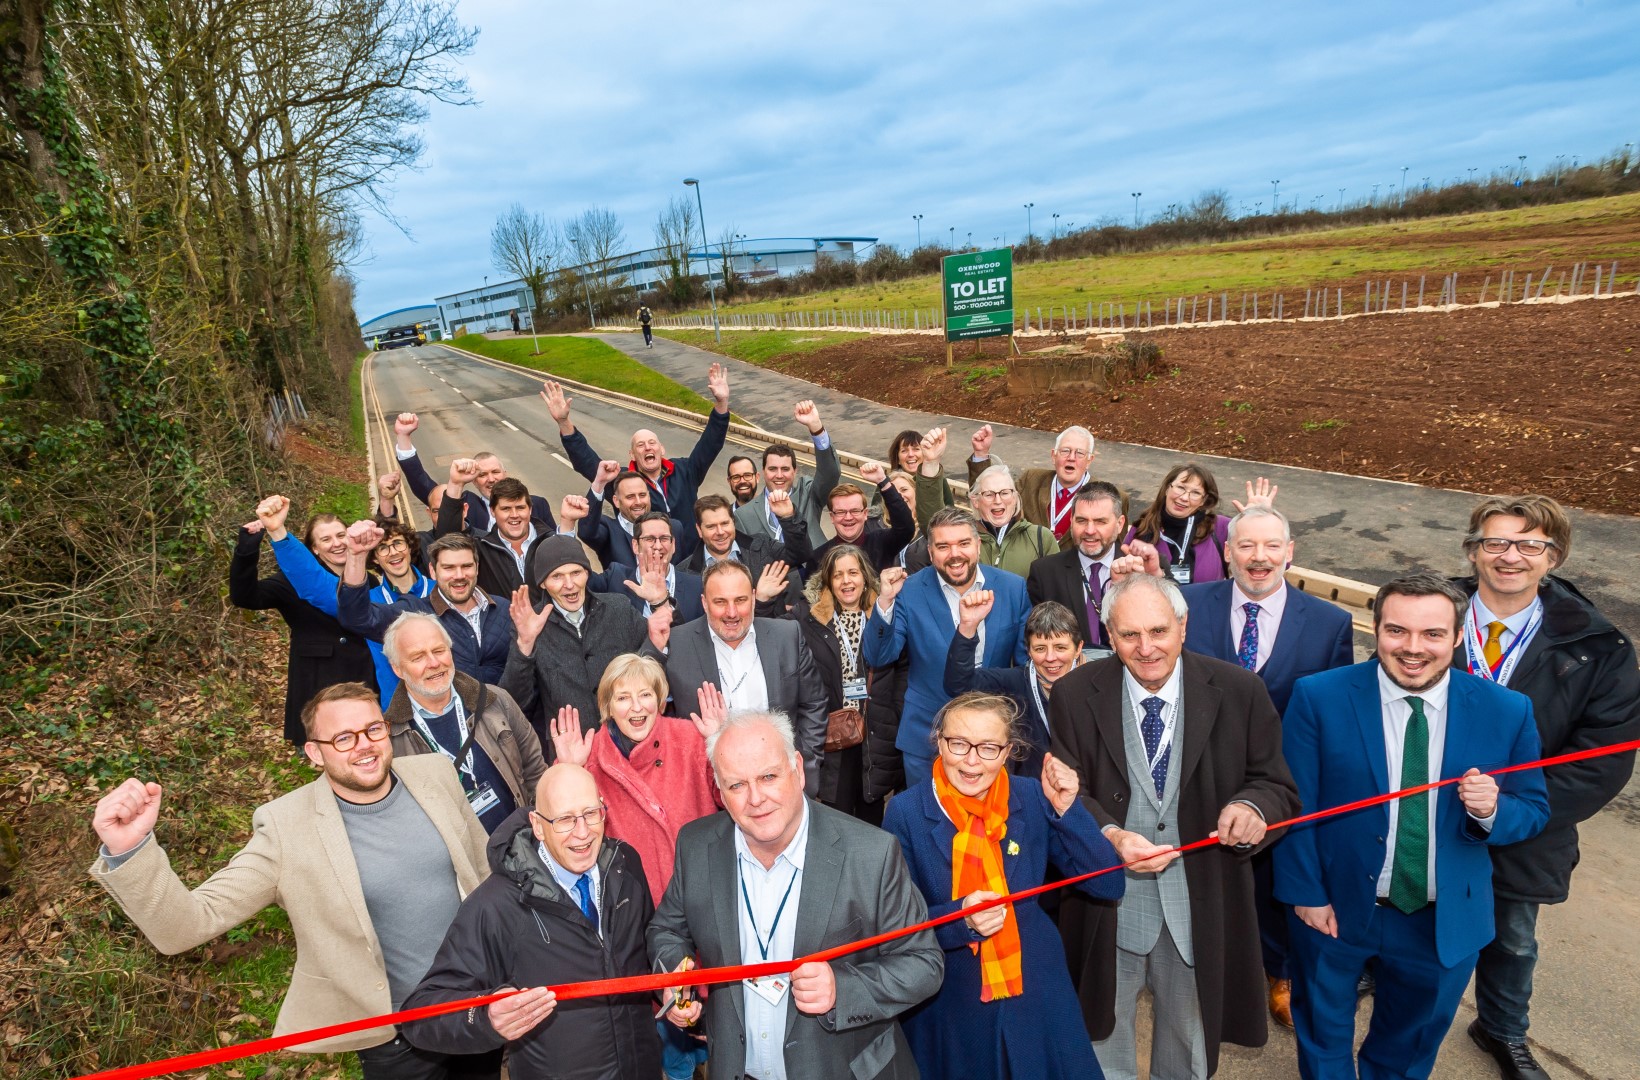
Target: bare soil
<point>1542,397</point>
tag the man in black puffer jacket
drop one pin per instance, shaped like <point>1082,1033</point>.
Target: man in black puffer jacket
<point>562,905</point>
<point>1538,635</point>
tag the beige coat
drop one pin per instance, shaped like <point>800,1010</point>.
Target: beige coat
<point>298,857</point>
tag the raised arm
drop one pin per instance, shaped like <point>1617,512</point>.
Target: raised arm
<point>582,457</point>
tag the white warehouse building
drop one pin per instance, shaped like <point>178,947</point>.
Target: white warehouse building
<point>491,307</point>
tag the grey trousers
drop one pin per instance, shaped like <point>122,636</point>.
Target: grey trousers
<point>1178,1047</point>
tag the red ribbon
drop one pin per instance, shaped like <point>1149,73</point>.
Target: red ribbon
<point>634,984</point>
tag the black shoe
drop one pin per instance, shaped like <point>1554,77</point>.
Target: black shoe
<point>1515,1060</point>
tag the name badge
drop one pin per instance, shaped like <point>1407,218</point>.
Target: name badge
<point>1093,652</point>
<point>1180,572</point>
<point>854,689</point>
<point>771,988</point>
<point>483,800</point>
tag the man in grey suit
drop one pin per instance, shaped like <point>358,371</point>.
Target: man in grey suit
<point>756,518</point>
<point>780,877</point>
<point>757,663</point>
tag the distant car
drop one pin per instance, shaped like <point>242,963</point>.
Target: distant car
<point>400,336</point>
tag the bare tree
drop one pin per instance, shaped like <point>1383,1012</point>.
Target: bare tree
<point>728,240</point>
<point>526,244</point>
<point>674,230</point>
<point>602,238</point>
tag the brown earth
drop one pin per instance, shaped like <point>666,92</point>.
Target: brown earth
<point>1539,397</point>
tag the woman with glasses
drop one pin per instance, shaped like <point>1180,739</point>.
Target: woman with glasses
<point>655,778</point>
<point>839,596</point>
<point>974,832</point>
<point>321,652</point>
<point>905,455</point>
<point>1184,525</point>
<point>1007,540</point>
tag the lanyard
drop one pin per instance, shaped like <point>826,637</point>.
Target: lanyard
<point>1189,524</point>
<point>849,650</point>
<point>762,945</point>
<point>1170,712</point>
<point>463,758</point>
<point>1036,692</point>
<point>1059,515</point>
<point>1475,643</point>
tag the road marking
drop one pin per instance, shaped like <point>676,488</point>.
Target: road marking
<point>441,379</point>
<point>457,389</point>
<point>478,404</point>
<point>560,457</point>
<point>508,424</point>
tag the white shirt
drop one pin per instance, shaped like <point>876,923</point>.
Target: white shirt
<point>1269,619</point>
<point>671,588</point>
<point>1397,713</point>
<point>953,600</point>
<point>1087,569</point>
<point>766,1023</point>
<point>475,614</point>
<point>516,553</point>
<point>567,880</point>
<point>1512,626</point>
<point>1169,693</point>
<point>733,553</point>
<point>741,670</point>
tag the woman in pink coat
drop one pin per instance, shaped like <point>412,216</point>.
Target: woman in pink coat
<point>651,769</point>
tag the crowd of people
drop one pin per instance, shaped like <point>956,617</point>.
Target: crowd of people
<point>821,710</point>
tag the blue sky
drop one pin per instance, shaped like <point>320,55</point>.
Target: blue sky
<point>846,118</point>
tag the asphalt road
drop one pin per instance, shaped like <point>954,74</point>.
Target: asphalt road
<point>1588,979</point>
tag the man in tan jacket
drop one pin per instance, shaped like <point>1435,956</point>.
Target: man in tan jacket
<point>370,861</point>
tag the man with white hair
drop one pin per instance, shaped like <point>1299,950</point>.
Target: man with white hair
<point>1256,621</point>
<point>781,876</point>
<point>1045,494</point>
<point>1171,747</point>
<point>479,728</point>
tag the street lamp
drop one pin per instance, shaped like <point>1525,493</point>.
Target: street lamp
<point>1028,222</point>
<point>918,219</point>
<point>717,331</point>
<point>1340,199</point>
<point>592,316</point>
<point>1275,196</point>
<point>1521,176</point>
<point>1054,235</point>
<point>1471,174</point>
<point>1404,169</point>
<point>953,238</point>
<point>1136,195</point>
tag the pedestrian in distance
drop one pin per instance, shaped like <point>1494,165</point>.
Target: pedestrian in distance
<point>645,317</point>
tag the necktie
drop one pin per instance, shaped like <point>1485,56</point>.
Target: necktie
<point>1151,728</point>
<point>1096,596</point>
<point>1409,873</point>
<point>1247,651</point>
<point>1493,649</point>
<point>583,888</point>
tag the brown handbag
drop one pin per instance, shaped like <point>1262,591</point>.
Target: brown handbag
<point>846,727</point>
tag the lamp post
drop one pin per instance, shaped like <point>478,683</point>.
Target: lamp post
<point>1275,196</point>
<point>1054,235</point>
<point>1404,169</point>
<point>953,238</point>
<point>717,331</point>
<point>1136,195</point>
<point>1471,174</point>
<point>1028,223</point>
<point>1521,175</point>
<point>1340,199</point>
<point>592,316</point>
<point>918,219</point>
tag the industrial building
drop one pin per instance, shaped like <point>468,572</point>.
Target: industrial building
<point>490,307</point>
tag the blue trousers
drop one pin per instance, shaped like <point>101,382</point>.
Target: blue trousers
<point>1412,1009</point>
<point>1503,977</point>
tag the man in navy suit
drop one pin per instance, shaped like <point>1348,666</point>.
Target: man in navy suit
<point>917,616</point>
<point>1255,620</point>
<point>611,538</point>
<point>1405,885</point>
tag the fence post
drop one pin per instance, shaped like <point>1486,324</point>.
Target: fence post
<point>1255,307</point>
<point>1224,305</point>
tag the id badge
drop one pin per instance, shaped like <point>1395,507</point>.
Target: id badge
<point>483,800</point>
<point>854,690</point>
<point>1180,572</point>
<point>1093,652</point>
<point>771,988</point>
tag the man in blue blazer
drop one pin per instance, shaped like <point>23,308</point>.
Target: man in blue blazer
<point>1254,620</point>
<point>917,616</point>
<point>1405,885</point>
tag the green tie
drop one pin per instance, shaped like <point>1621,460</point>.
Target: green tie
<point>1409,875</point>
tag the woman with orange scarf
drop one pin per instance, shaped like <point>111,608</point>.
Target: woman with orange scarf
<point>1006,1008</point>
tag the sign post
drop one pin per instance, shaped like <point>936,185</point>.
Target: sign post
<point>978,287</point>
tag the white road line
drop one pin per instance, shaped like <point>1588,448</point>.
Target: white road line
<point>560,457</point>
<point>441,379</point>
<point>508,424</point>
<point>478,404</point>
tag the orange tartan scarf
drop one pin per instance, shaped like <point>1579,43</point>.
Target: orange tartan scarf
<point>976,863</point>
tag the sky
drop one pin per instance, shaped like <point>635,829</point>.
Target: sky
<point>847,118</point>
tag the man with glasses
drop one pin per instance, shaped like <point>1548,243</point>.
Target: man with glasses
<point>1534,632</point>
<point>370,861</point>
<point>654,580</point>
<point>1007,540</point>
<point>742,476</point>
<point>849,521</point>
<point>565,904</point>
<point>1045,494</point>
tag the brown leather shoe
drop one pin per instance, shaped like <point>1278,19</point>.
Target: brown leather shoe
<point>1281,1000</point>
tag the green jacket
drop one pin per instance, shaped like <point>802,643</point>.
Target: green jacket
<point>1022,545</point>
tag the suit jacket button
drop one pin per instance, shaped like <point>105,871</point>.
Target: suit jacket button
<point>1117,797</point>
<point>1161,826</point>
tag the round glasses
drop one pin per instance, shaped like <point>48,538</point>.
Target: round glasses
<point>347,740</point>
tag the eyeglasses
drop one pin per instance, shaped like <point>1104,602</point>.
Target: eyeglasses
<point>564,824</point>
<point>346,740</point>
<point>1074,455</point>
<point>655,541</point>
<point>1497,545</point>
<point>988,751</point>
<point>393,546</point>
<point>1192,494</point>
<point>854,513</point>
<point>999,493</point>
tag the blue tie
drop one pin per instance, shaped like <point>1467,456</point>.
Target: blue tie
<point>1247,651</point>
<point>1151,728</point>
<point>583,887</point>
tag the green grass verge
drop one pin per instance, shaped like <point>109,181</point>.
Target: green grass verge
<point>346,499</point>
<point>760,346</point>
<point>355,410</point>
<point>1532,237</point>
<point>589,361</point>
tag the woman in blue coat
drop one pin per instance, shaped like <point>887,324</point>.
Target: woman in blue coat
<point>972,832</point>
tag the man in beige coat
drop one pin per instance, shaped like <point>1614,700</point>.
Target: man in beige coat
<point>370,861</point>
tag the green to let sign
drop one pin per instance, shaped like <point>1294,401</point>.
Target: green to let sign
<point>979,294</point>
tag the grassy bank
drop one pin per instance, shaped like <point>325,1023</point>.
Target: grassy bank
<point>589,361</point>
<point>760,346</point>
<point>1529,238</point>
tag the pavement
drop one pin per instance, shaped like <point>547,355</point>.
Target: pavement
<point>1588,978</point>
